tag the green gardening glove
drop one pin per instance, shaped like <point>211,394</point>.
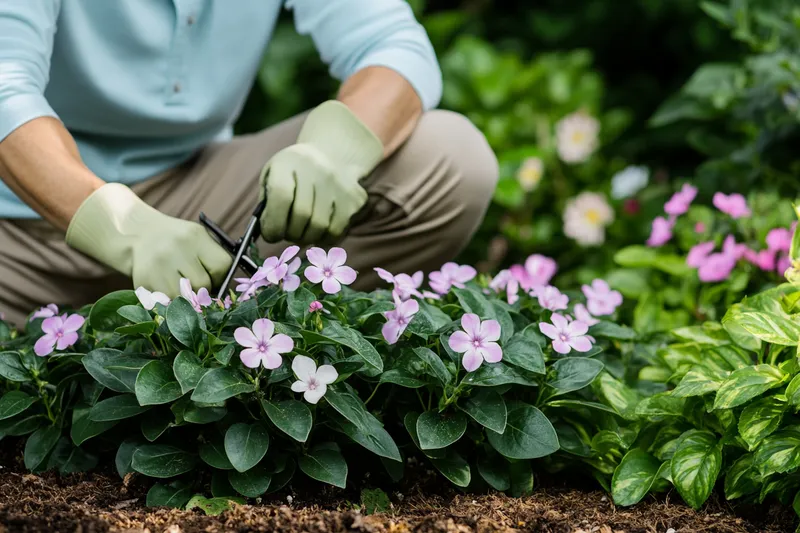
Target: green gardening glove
<point>312,187</point>
<point>115,227</point>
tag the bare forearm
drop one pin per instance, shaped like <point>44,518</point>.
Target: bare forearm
<point>385,102</point>
<point>40,162</point>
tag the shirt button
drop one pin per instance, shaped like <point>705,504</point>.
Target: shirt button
<point>190,20</point>
<point>176,88</point>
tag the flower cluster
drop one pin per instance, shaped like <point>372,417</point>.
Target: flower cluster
<point>586,217</point>
<point>677,205</point>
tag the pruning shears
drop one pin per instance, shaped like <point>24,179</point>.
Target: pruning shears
<point>238,248</point>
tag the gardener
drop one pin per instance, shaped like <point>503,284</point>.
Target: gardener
<point>115,133</point>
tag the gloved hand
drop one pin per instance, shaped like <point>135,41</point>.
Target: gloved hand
<point>118,229</point>
<point>312,187</point>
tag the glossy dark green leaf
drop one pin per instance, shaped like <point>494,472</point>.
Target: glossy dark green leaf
<point>103,315</point>
<point>454,468</point>
<point>219,384</point>
<point>83,428</point>
<point>246,445</point>
<point>188,370</point>
<point>156,423</point>
<point>401,378</point>
<point>438,430</point>
<point>494,470</point>
<point>224,354</point>
<point>695,466</point>
<point>779,452</point>
<point>117,407</point>
<point>134,313</point>
<point>184,323</point>
<point>290,416</point>
<point>350,406</point>
<point>375,438</point>
<point>12,369</point>
<point>156,384</point>
<point>114,369</point>
<point>488,409</point>
<point>297,302</point>
<point>633,477</point>
<point>609,330</point>
<point>122,460</point>
<point>252,483</point>
<point>522,351</point>
<point>528,435</point>
<point>168,496</point>
<point>325,465</point>
<point>760,419</point>
<point>39,445</point>
<point>746,383</point>
<point>162,461</point>
<point>435,367</point>
<point>494,374</point>
<point>573,373</point>
<point>142,328</point>
<point>356,342</point>
<point>212,452</point>
<point>14,402</point>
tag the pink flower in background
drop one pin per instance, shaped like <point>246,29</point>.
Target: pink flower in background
<point>224,304</point>
<point>45,312</point>
<point>730,247</point>
<point>784,262</point>
<point>765,260</point>
<point>537,272</point>
<point>734,205</point>
<point>398,319</point>
<point>405,286</point>
<point>699,252</point>
<point>504,280</point>
<point>661,232</point>
<point>699,227</point>
<point>582,314</point>
<point>451,275</point>
<point>261,347</point>
<point>600,299</point>
<point>431,295</point>
<point>247,286</point>
<point>681,200</point>
<point>551,298</point>
<point>60,332</point>
<point>566,336</point>
<point>779,239</point>
<point>198,300</point>
<point>314,306</point>
<point>329,268</point>
<point>478,342</point>
<point>717,267</point>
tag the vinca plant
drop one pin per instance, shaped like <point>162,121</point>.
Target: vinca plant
<point>296,374</point>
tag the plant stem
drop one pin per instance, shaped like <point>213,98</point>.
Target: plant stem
<point>373,394</point>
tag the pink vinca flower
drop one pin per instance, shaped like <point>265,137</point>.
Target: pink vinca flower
<point>224,304</point>
<point>732,248</point>
<point>478,342</point>
<point>198,300</point>
<point>276,269</point>
<point>698,254</point>
<point>60,332</point>
<point>150,299</point>
<point>680,201</point>
<point>734,205</point>
<point>247,287</point>
<point>329,268</point>
<point>716,267</point>
<point>45,312</point>
<point>315,306</point>
<point>551,298</point>
<point>537,272</point>
<point>504,280</point>
<point>784,262</point>
<point>566,335</point>
<point>661,232</point>
<point>451,275</point>
<point>582,314</point>
<point>600,299</point>
<point>261,346</point>
<point>779,239</point>
<point>405,286</point>
<point>291,281</point>
<point>699,227</point>
<point>398,319</point>
<point>312,381</point>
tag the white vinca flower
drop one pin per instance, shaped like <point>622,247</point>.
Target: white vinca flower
<point>577,137</point>
<point>586,217</point>
<point>629,181</point>
<point>530,173</point>
<point>312,381</point>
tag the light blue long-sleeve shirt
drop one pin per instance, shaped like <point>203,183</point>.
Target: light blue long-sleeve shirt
<point>142,85</point>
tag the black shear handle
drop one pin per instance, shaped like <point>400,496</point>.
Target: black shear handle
<point>251,233</point>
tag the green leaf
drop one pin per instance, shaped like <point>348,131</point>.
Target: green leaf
<point>494,470</point>
<point>104,317</point>
<point>697,382</point>
<point>695,466</point>
<point>375,501</point>
<point>69,459</point>
<point>290,416</point>
<point>474,302</point>
<point>12,369</point>
<point>83,428</point>
<point>609,330</point>
<point>453,467</point>
<point>355,341</point>
<point>742,478</point>
<point>184,323</point>
<point>156,423</point>
<point>616,394</point>
<point>779,453</point>
<point>428,320</point>
<point>198,414</point>
<point>297,302</point>
<point>162,461</point>
<point>660,405</point>
<point>325,465</point>
<point>14,402</point>
<point>760,419</point>
<point>376,439</point>
<point>223,355</point>
<point>769,327</point>
<point>350,406</point>
<point>212,452</point>
<point>708,333</point>
<point>746,383</point>
<point>156,384</point>
<point>213,506</point>
<point>116,408</point>
<point>219,384</point>
<point>574,373</point>
<point>246,445</point>
<point>252,483</point>
<point>188,370</point>
<point>493,374</point>
<point>435,365</point>
<point>793,392</point>
<point>402,378</point>
<point>142,328</point>
<point>528,435</point>
<point>134,313</point>
<point>19,426</point>
<point>639,256</point>
<point>39,445</point>
<point>488,409</point>
<point>524,352</point>
<point>114,369</point>
<point>581,404</point>
<point>633,477</point>
<point>438,430</point>
<point>521,479</point>
<point>168,496</point>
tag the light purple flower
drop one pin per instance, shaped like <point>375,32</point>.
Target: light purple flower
<point>405,286</point>
<point>247,287</point>
<point>451,275</point>
<point>45,312</point>
<point>779,239</point>
<point>150,299</point>
<point>314,306</point>
<point>730,247</point>
<point>681,200</point>
<point>784,262</point>
<point>60,332</point>
<point>504,280</point>
<point>199,300</point>
<point>291,281</point>
<point>261,346</point>
<point>698,254</point>
<point>600,299</point>
<point>537,272</point>
<point>551,298</point>
<point>398,319</point>
<point>582,314</point>
<point>478,342</point>
<point>312,381</point>
<point>224,304</point>
<point>276,269</point>
<point>567,336</point>
<point>661,232</point>
<point>431,295</point>
<point>717,267</point>
<point>329,268</point>
<point>764,259</point>
<point>734,205</point>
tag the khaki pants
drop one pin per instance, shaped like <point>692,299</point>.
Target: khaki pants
<point>425,203</point>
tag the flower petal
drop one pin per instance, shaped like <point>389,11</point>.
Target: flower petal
<point>385,275</point>
<point>471,324</point>
<point>408,308</point>
<point>490,330</point>
<point>263,328</point>
<point>317,256</point>
<point>272,359</point>
<point>160,297</point>
<point>561,346</point>
<point>491,352</point>
<point>345,274</point>
<point>291,283</point>
<point>186,289</point>
<point>391,331</point>
<point>281,343</point>
<point>559,321</point>
<point>245,337</point>
<point>314,274</point>
<point>313,396</point>
<point>336,257</point>
<point>288,253</point>
<point>465,273</point>
<point>472,360</point>
<point>581,343</point>
<point>331,285</point>
<point>418,278</point>
<point>304,367</point>
<point>74,322</point>
<point>327,374</point>
<point>145,298</point>
<point>250,357</point>
<point>548,329</point>
<point>68,339</point>
<point>203,298</point>
<point>577,328</point>
<point>52,324</point>
<point>460,342</point>
<point>299,386</point>
<point>44,346</point>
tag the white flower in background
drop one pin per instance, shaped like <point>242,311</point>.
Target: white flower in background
<point>629,181</point>
<point>586,217</point>
<point>791,101</point>
<point>576,137</point>
<point>312,381</point>
<point>530,173</point>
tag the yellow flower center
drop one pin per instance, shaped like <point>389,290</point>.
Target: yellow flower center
<point>593,216</point>
<point>578,136</point>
